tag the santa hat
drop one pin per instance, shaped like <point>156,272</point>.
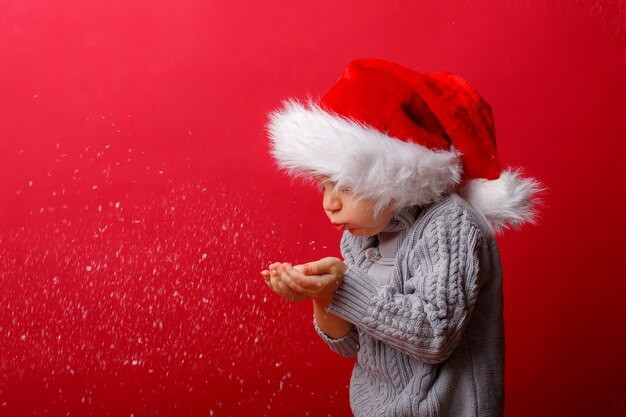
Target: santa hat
<point>398,136</point>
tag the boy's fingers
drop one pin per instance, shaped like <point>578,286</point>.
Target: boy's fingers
<point>288,281</point>
<point>294,274</point>
<point>304,280</point>
<point>316,268</point>
<point>273,266</point>
<point>282,289</point>
<point>274,282</point>
<point>286,291</point>
<point>271,284</point>
<point>307,275</point>
<point>294,281</point>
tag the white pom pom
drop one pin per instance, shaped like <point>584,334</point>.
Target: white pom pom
<point>510,200</point>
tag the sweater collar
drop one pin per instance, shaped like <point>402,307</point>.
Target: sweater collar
<point>403,219</point>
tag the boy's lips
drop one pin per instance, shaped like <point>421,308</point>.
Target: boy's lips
<point>340,226</point>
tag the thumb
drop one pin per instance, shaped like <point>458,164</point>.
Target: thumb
<point>316,268</point>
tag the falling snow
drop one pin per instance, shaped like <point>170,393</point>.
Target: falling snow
<point>150,292</point>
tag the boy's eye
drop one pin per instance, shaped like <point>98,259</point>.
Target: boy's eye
<point>322,187</point>
<point>343,189</point>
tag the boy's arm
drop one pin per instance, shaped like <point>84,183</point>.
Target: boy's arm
<point>426,323</point>
<point>330,324</point>
<point>340,335</point>
<point>333,326</point>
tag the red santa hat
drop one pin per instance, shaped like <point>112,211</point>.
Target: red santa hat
<point>394,135</point>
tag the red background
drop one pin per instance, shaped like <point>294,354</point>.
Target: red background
<point>138,201</point>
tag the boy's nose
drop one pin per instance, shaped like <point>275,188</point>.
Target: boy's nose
<point>331,202</point>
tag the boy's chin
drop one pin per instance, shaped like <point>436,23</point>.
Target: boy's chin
<point>359,232</point>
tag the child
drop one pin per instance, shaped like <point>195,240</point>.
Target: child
<point>409,171</point>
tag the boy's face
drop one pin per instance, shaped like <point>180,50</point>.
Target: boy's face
<point>346,213</point>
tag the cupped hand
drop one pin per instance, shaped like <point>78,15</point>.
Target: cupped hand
<point>319,279</point>
<point>272,277</point>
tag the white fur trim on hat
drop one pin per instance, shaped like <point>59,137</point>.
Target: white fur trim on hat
<point>309,141</point>
<point>507,201</point>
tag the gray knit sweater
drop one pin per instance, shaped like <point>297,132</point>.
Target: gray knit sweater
<point>425,298</point>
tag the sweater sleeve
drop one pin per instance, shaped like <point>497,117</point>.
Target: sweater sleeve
<point>346,346</point>
<point>441,282</point>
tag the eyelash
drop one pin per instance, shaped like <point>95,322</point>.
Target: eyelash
<point>322,188</point>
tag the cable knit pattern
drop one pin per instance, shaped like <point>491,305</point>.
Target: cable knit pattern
<point>429,343</point>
